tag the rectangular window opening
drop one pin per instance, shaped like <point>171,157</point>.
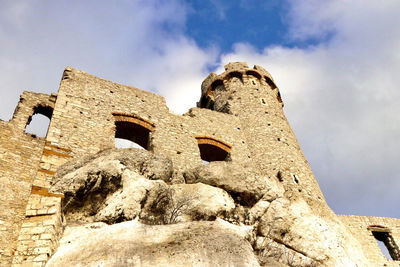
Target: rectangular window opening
<point>387,245</point>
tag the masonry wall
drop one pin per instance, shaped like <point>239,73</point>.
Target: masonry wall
<point>361,228</point>
<point>19,159</point>
<point>83,121</point>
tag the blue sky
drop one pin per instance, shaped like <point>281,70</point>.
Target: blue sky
<point>336,64</point>
<point>223,23</point>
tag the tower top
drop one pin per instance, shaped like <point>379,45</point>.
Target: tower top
<point>236,69</point>
<point>240,71</point>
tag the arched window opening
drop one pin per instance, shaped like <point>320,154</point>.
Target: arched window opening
<point>270,82</point>
<point>235,76</point>
<point>38,123</point>
<point>132,131</point>
<point>217,85</point>
<point>253,77</point>
<point>385,242</point>
<point>254,73</point>
<point>212,149</point>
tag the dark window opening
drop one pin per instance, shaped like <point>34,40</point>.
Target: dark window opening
<point>203,101</point>
<point>235,74</point>
<point>38,123</point>
<point>295,179</point>
<point>279,176</point>
<point>387,245</point>
<point>279,98</point>
<point>254,73</point>
<point>217,84</point>
<point>270,82</point>
<point>132,131</point>
<point>206,102</point>
<point>210,153</point>
<point>212,150</point>
<point>263,101</point>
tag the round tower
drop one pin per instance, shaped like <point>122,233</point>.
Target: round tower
<point>252,96</point>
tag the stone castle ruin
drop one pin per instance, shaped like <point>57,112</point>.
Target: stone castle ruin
<point>225,184</point>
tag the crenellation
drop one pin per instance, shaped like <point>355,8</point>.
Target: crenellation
<point>236,66</point>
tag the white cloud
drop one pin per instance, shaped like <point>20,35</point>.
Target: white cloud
<point>140,43</point>
<point>342,98</point>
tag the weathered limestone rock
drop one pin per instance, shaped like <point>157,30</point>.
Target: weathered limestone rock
<point>126,203</point>
<point>135,244</point>
<point>115,186</point>
<point>202,202</point>
<point>120,185</point>
<point>239,180</point>
<point>258,210</point>
<point>146,163</point>
<point>110,186</point>
<point>294,225</point>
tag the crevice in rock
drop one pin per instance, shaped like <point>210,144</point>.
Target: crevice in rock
<point>242,199</point>
<point>276,251</point>
<point>294,249</point>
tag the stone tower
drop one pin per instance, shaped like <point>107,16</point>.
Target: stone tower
<point>252,96</point>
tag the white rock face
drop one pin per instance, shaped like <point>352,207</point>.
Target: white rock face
<point>117,187</point>
<point>234,178</point>
<point>135,244</point>
<point>224,215</point>
<point>125,204</point>
<point>321,238</point>
<point>202,201</point>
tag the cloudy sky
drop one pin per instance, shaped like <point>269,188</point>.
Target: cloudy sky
<point>336,62</point>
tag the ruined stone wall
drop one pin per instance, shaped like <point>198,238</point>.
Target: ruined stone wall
<point>83,121</point>
<point>20,154</point>
<point>361,227</point>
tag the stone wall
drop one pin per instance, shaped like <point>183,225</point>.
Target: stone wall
<point>19,159</point>
<point>83,121</point>
<point>362,227</point>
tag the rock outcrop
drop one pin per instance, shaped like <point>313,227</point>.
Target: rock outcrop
<point>135,244</point>
<point>121,208</point>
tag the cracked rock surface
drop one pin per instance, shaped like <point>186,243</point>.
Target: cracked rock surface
<point>122,208</point>
<point>134,244</point>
